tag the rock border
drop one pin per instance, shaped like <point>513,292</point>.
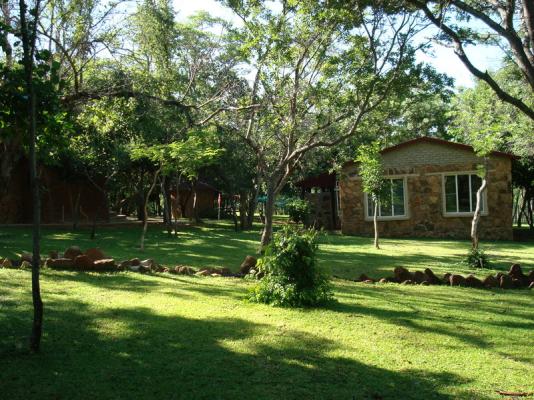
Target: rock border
<point>514,279</point>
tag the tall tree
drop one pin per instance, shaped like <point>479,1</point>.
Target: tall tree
<point>321,76</point>
<point>507,24</point>
<point>28,33</point>
<point>371,171</point>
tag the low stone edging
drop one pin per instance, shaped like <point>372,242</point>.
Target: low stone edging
<point>514,279</point>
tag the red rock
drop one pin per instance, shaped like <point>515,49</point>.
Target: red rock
<point>431,277</point>
<point>363,278</point>
<point>474,282</point>
<point>95,254</point>
<point>134,262</point>
<point>248,263</point>
<point>491,282</point>
<point>104,264</point>
<point>25,256</point>
<point>223,271</point>
<point>402,274</point>
<point>83,262</point>
<point>60,263</point>
<point>506,282</point>
<point>72,252</point>
<point>457,280</point>
<point>419,277</point>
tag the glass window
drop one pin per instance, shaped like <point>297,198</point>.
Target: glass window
<point>392,204</point>
<point>460,193</point>
<point>450,194</point>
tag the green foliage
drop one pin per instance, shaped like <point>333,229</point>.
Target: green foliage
<point>292,275</point>
<point>371,170</point>
<point>479,118</point>
<point>477,258</point>
<point>298,210</point>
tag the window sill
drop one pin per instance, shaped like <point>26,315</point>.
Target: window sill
<point>463,214</point>
<point>395,218</point>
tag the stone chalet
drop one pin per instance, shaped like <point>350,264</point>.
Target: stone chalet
<point>433,184</point>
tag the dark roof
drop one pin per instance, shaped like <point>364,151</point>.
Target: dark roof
<point>324,180</point>
<point>428,139</point>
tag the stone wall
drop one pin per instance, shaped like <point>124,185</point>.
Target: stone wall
<point>424,179</point>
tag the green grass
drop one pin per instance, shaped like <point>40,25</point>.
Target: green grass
<point>126,335</point>
<point>216,244</point>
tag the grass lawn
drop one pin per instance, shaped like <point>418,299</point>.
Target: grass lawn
<point>216,244</point>
<point>126,335</point>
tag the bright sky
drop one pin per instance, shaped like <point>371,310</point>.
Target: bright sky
<point>444,59</point>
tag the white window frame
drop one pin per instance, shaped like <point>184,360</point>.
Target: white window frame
<point>390,217</point>
<point>471,205</point>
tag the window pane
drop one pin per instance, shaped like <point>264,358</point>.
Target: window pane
<point>385,200</point>
<point>370,207</point>
<point>476,182</point>
<point>464,203</point>
<point>398,197</point>
<point>450,193</point>
<point>385,208</point>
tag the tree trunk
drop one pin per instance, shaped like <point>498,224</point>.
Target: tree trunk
<point>269,214</point>
<point>195,204</point>
<point>145,208</point>
<point>251,209</point>
<point>243,206</point>
<point>76,212</point>
<point>28,44</point>
<point>476,216</point>
<point>234,215</point>
<point>167,218</point>
<point>375,223</point>
<point>178,205</point>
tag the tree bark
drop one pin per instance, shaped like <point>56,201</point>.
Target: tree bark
<point>28,44</point>
<point>476,215</point>
<point>145,208</point>
<point>375,224</point>
<point>269,214</point>
<point>178,205</point>
<point>167,217</point>
<point>196,218</point>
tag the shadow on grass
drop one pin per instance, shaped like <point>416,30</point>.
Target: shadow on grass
<point>137,353</point>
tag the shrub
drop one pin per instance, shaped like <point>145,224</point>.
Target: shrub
<point>292,275</point>
<point>476,258</point>
<point>298,210</point>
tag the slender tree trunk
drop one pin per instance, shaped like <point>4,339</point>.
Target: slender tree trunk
<point>76,211</point>
<point>269,214</point>
<point>375,223</point>
<point>251,209</point>
<point>145,208</point>
<point>28,44</point>
<point>476,216</point>
<point>178,205</point>
<point>167,217</point>
<point>243,206</point>
<point>195,204</point>
<point>234,215</point>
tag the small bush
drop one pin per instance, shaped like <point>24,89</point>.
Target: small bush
<point>292,275</point>
<point>476,258</point>
<point>298,210</point>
